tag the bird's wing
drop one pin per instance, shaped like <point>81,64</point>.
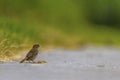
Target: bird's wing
<point>30,53</point>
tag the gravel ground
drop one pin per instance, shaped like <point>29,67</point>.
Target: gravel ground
<point>90,63</point>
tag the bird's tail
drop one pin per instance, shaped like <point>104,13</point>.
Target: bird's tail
<point>23,60</point>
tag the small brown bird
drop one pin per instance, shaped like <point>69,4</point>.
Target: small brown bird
<point>32,54</point>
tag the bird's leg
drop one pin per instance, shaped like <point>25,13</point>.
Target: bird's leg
<point>33,61</point>
<point>29,61</point>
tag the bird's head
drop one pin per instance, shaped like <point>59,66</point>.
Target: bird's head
<point>36,46</point>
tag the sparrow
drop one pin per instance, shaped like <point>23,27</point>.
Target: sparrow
<point>32,54</point>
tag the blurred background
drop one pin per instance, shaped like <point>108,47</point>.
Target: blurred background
<point>57,23</point>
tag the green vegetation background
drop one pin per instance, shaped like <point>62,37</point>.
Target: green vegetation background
<point>57,23</point>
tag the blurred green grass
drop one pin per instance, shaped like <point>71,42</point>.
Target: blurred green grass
<point>51,23</point>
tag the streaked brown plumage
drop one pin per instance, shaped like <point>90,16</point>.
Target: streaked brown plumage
<point>32,54</point>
